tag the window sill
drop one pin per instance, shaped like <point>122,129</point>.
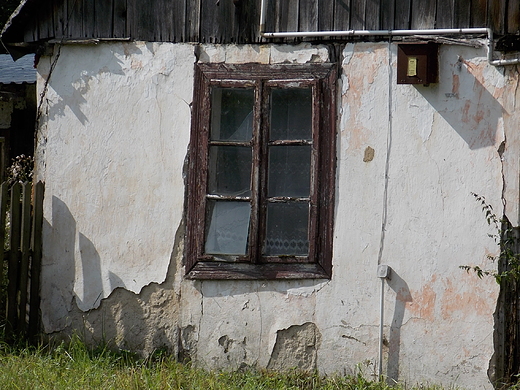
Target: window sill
<point>244,271</point>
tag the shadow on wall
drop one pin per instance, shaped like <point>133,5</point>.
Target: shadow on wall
<point>91,271</point>
<point>223,288</point>
<point>403,295</point>
<point>71,95</point>
<point>58,276</point>
<point>465,103</point>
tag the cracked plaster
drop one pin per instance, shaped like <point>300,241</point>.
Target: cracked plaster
<point>432,148</point>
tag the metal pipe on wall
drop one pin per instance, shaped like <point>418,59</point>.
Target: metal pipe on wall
<point>350,33</point>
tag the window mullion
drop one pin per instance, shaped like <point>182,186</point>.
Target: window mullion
<point>263,166</point>
<point>256,176</point>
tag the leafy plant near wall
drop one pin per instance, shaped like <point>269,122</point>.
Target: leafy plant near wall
<point>21,170</point>
<point>508,240</point>
<point>507,315</point>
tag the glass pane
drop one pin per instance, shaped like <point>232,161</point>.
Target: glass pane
<point>232,114</point>
<point>230,170</point>
<point>287,225</point>
<point>291,114</point>
<point>228,228</point>
<point>289,171</point>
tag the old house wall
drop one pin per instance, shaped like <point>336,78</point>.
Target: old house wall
<point>110,140</point>
<point>111,148</point>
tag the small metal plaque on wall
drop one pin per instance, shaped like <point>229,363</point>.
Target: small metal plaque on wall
<point>417,63</point>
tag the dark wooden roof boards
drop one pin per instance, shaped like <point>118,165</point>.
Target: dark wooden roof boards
<point>237,21</point>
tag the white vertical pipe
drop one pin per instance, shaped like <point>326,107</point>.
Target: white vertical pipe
<point>263,8</point>
<point>381,325</point>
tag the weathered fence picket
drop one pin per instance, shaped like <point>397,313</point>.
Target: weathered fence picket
<point>36,245</point>
<point>22,256</point>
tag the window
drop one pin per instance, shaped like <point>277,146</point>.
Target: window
<point>261,172</point>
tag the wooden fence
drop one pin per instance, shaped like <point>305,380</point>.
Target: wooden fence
<point>21,217</point>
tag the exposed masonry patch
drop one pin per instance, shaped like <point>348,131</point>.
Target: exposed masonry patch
<point>235,351</point>
<point>186,344</point>
<point>296,347</point>
<point>225,342</point>
<point>141,322</point>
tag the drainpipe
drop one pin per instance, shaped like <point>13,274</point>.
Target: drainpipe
<point>358,33</point>
<point>383,272</point>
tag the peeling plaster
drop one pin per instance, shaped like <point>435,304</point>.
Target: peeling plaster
<point>110,271</point>
<point>141,322</point>
<point>306,291</point>
<point>264,54</point>
<point>116,198</point>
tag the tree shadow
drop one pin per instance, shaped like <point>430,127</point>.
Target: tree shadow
<point>70,95</point>
<point>91,274</point>
<point>58,275</point>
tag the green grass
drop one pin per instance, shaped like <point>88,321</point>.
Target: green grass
<point>75,366</point>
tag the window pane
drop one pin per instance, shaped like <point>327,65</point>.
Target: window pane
<point>230,170</point>
<point>228,227</point>
<point>232,114</point>
<point>287,225</point>
<point>291,114</point>
<point>289,171</point>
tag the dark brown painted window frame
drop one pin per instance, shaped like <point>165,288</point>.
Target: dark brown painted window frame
<point>322,79</point>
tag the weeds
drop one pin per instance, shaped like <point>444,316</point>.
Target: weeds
<point>508,240</point>
<point>75,366</point>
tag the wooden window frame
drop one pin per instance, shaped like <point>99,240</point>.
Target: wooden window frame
<point>318,264</point>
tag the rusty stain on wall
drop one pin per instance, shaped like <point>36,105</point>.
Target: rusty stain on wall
<point>369,154</point>
<point>423,303</point>
<point>459,304</point>
<point>456,85</point>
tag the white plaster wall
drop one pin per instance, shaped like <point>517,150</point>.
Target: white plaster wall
<point>411,208</point>
<point>510,158</point>
<point>111,149</point>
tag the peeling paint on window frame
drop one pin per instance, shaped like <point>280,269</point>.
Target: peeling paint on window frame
<point>318,264</point>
